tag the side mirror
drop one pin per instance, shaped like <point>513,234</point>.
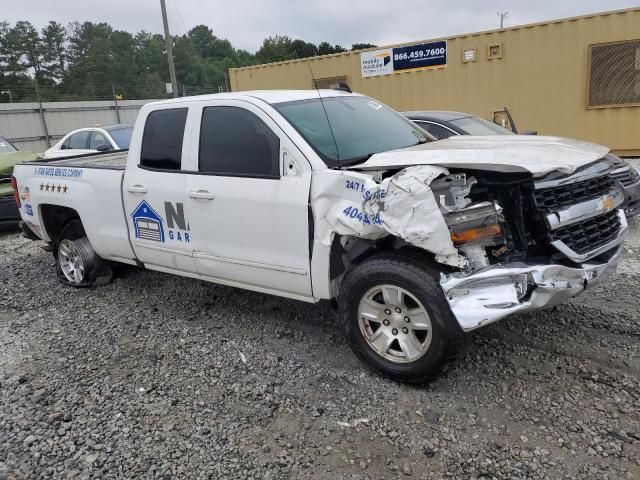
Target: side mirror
<point>103,147</point>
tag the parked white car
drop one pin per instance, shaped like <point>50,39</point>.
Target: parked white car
<point>91,140</point>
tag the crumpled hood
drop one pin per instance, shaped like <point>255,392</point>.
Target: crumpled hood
<point>537,155</point>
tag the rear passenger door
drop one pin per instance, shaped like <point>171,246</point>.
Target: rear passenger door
<point>248,200</point>
<point>154,193</point>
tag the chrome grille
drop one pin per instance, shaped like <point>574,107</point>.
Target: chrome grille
<point>627,176</point>
<point>587,235</point>
<point>581,211</point>
<point>559,197</point>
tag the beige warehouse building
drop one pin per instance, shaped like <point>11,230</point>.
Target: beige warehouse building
<point>576,77</point>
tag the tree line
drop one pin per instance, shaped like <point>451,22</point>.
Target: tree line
<point>95,61</point>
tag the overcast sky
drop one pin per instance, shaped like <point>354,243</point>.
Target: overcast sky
<point>247,22</point>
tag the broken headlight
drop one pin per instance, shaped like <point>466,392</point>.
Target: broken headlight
<point>477,224</point>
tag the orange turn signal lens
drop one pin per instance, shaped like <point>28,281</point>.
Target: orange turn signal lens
<point>476,234</point>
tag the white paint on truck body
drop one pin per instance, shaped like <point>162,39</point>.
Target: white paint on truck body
<point>255,233</point>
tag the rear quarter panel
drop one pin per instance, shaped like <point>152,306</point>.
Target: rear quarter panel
<point>95,193</point>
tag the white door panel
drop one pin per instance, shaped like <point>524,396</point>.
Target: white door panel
<point>158,224</point>
<point>248,229</point>
<point>154,201</point>
<point>254,231</point>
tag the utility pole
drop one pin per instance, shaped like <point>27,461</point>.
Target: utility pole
<point>115,102</point>
<point>167,40</point>
<point>502,16</point>
<point>43,119</point>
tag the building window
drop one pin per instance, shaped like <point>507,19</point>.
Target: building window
<point>494,51</point>
<point>614,74</point>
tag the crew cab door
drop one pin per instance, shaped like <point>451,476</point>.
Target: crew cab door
<point>248,200</point>
<point>154,192</point>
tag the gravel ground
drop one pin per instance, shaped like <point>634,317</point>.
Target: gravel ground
<point>156,376</point>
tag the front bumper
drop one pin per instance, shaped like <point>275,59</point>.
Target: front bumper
<point>500,290</point>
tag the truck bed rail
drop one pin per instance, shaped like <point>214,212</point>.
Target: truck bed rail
<point>116,160</point>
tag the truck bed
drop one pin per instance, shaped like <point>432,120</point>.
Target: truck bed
<point>112,160</point>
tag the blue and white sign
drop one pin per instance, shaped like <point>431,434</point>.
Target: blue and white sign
<point>402,59</point>
<point>147,223</point>
<point>421,56</point>
<point>376,62</point>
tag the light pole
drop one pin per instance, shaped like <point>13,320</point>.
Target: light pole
<point>502,16</point>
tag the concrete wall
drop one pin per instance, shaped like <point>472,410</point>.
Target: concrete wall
<point>24,126</point>
<point>542,77</point>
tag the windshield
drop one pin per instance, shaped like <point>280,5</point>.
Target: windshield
<point>360,126</point>
<point>6,147</point>
<point>122,136</point>
<point>479,126</point>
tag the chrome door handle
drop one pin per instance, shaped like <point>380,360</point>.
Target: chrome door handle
<point>137,189</point>
<point>202,195</point>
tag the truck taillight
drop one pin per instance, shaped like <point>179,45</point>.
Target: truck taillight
<point>16,195</point>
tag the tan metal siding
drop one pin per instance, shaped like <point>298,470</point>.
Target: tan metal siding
<point>542,77</point>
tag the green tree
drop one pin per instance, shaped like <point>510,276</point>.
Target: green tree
<point>302,49</point>
<point>362,46</point>
<point>275,49</point>
<point>54,37</point>
<point>207,45</point>
<point>325,48</point>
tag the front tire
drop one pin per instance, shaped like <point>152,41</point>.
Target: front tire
<point>77,264</point>
<point>396,319</point>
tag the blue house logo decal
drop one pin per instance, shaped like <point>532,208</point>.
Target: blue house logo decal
<point>147,223</point>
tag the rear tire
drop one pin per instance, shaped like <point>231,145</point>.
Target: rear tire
<point>77,264</point>
<point>396,319</point>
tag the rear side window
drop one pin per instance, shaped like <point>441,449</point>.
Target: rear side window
<point>78,141</point>
<point>235,142</point>
<point>162,139</point>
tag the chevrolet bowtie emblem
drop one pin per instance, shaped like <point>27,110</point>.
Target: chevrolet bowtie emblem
<point>608,202</point>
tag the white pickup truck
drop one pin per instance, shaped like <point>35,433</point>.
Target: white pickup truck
<point>332,195</point>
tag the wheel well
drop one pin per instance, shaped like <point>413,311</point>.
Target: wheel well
<point>348,252</point>
<point>55,217</point>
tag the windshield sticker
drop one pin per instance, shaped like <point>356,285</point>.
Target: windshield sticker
<point>374,105</point>
<point>61,172</point>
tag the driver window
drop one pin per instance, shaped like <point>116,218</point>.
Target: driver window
<point>235,142</point>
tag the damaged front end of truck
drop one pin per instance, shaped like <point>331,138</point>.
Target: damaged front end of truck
<point>508,236</point>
